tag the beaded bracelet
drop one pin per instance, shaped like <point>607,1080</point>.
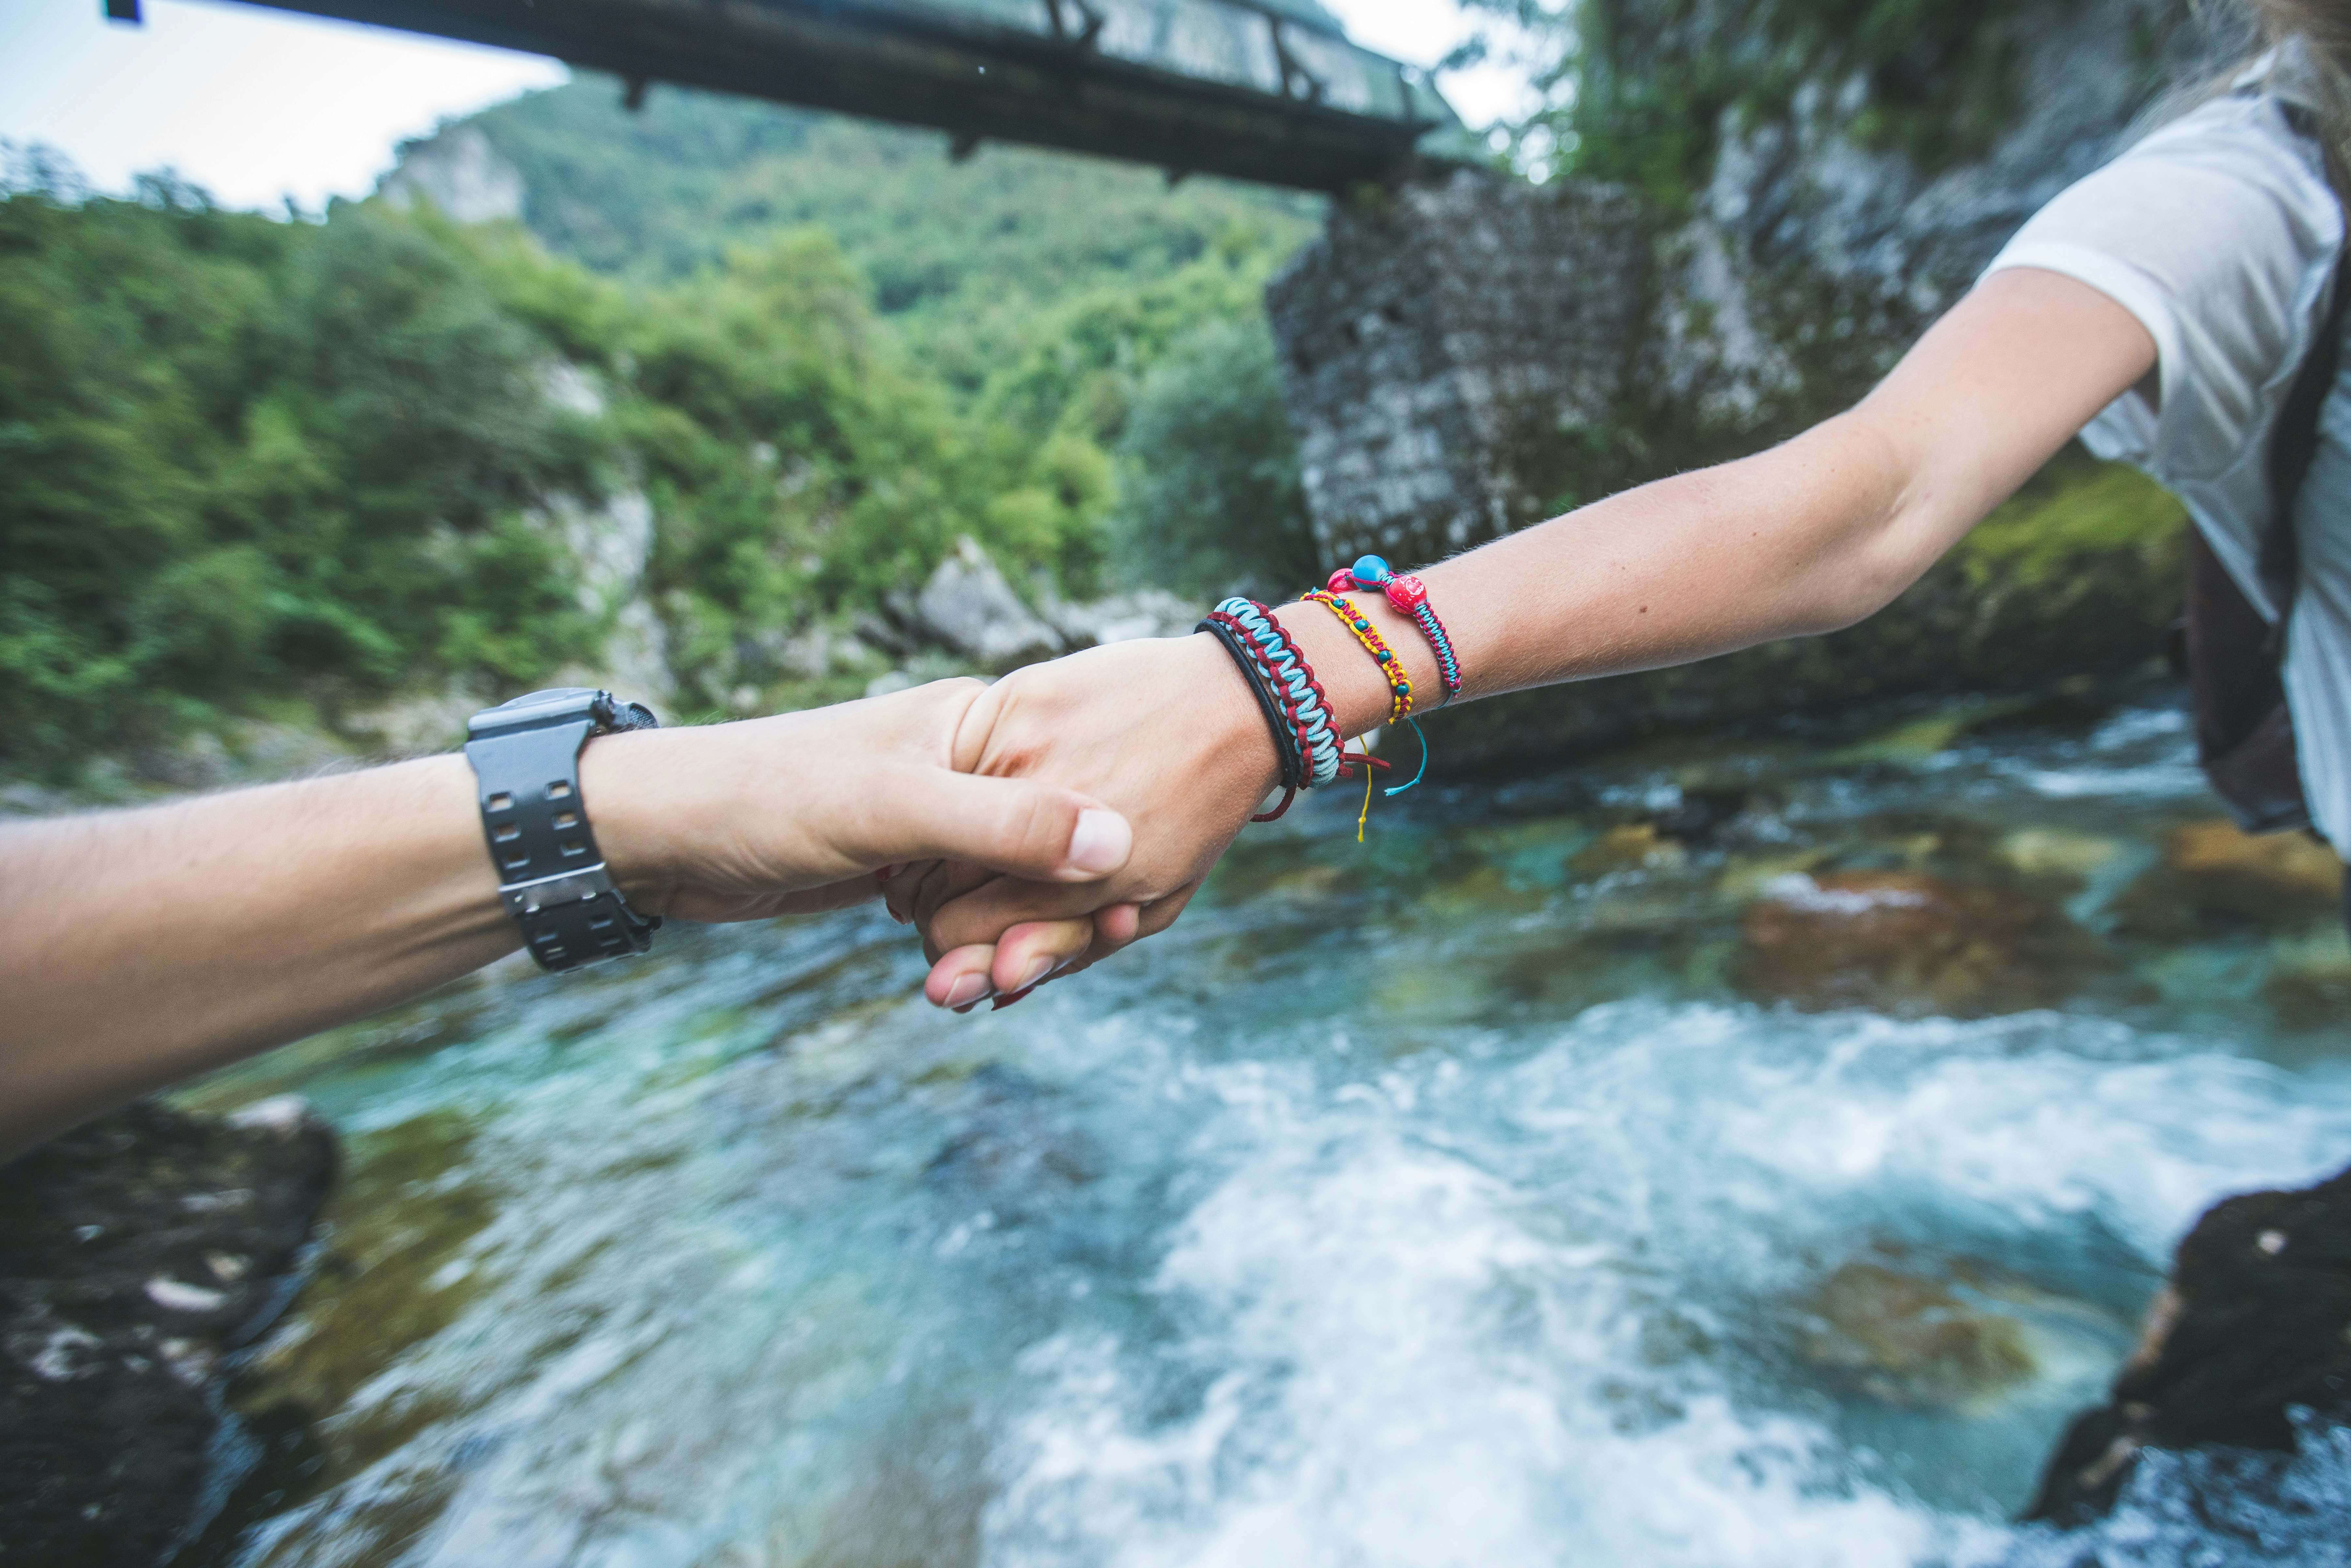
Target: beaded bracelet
<point>1391,667</point>
<point>1410,595</point>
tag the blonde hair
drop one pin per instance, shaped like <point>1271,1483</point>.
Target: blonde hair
<point>2323,29</point>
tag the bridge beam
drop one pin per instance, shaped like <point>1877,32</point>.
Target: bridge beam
<point>1252,91</point>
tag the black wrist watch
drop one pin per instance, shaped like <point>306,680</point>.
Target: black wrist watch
<point>525,757</point>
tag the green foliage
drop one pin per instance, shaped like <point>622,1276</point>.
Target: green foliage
<point>1213,502</point>
<point>966,260</point>
<point>244,456</point>
<point>256,466</point>
<point>1642,86</point>
<point>2075,507</point>
<point>794,464</point>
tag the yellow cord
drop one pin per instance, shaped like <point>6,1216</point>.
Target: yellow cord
<point>1365,814</point>
<point>1391,667</point>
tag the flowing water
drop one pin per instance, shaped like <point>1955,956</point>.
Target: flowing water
<point>1473,1195</point>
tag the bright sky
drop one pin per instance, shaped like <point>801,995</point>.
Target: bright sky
<point>258,105</point>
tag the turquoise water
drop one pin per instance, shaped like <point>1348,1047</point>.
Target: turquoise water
<point>1463,1198</point>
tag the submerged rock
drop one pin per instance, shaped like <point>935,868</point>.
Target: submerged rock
<point>2211,874</point>
<point>135,1254</point>
<point>1910,1340</point>
<point>1906,942</point>
<point>1634,846</point>
<point>2310,980</point>
<point>2254,1328</point>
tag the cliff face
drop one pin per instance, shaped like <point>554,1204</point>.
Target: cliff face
<point>1467,359</point>
<point>1829,234</point>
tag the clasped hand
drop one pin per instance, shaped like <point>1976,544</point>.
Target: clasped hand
<point>1161,730</point>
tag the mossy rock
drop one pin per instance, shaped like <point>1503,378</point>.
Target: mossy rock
<point>2213,875</point>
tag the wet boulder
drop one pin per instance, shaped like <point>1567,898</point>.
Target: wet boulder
<point>2213,875</point>
<point>136,1252</point>
<point>1909,943</point>
<point>2250,1333</point>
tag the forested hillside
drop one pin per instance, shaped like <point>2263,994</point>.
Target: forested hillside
<point>298,469</point>
<point>970,261</point>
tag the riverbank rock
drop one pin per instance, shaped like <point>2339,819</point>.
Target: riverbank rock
<point>136,1254</point>
<point>967,607</point>
<point>1907,943</point>
<point>2251,1330</point>
<point>2211,874</point>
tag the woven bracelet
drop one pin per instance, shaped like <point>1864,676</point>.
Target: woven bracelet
<point>1295,688</point>
<point>1259,681</point>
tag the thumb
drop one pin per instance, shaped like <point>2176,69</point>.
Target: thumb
<point>1013,825</point>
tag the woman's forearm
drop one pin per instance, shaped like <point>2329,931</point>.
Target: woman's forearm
<point>1771,546</point>
<point>1808,537</point>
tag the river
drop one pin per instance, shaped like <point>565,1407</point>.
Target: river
<point>1470,1195</point>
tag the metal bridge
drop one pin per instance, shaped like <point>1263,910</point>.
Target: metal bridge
<point>1268,90</point>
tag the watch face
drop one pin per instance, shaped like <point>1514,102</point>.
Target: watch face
<point>556,706</point>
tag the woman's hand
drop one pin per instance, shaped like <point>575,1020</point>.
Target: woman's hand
<point>796,812</point>
<point>1163,730</point>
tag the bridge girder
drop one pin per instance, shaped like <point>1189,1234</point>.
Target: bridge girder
<point>1253,89</point>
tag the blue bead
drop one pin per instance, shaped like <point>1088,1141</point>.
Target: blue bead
<point>1370,571</point>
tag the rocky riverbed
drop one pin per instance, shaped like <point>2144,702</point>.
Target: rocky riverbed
<point>1764,1150</point>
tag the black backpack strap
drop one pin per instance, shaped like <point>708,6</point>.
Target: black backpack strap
<point>2231,655</point>
<point>2294,441</point>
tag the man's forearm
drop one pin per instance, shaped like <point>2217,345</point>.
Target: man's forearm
<point>144,946</point>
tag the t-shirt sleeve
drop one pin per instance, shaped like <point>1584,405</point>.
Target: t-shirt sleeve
<point>2219,232</point>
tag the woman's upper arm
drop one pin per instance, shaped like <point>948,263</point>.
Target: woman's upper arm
<point>2006,377</point>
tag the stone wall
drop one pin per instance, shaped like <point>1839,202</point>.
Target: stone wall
<point>1443,345</point>
<point>1470,357</point>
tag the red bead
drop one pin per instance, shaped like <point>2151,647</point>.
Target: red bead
<point>1341,581</point>
<point>1407,594</point>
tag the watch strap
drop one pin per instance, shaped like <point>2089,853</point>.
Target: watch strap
<point>551,876</point>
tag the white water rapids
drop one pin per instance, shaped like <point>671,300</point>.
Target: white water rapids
<point>1449,1206</point>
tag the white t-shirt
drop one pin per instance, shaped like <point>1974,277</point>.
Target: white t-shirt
<point>2220,233</point>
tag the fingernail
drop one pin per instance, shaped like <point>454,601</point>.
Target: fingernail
<point>902,919</point>
<point>1008,1000</point>
<point>1039,968</point>
<point>1101,842</point>
<point>966,991</point>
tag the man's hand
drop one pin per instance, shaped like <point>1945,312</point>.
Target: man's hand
<point>796,812</point>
